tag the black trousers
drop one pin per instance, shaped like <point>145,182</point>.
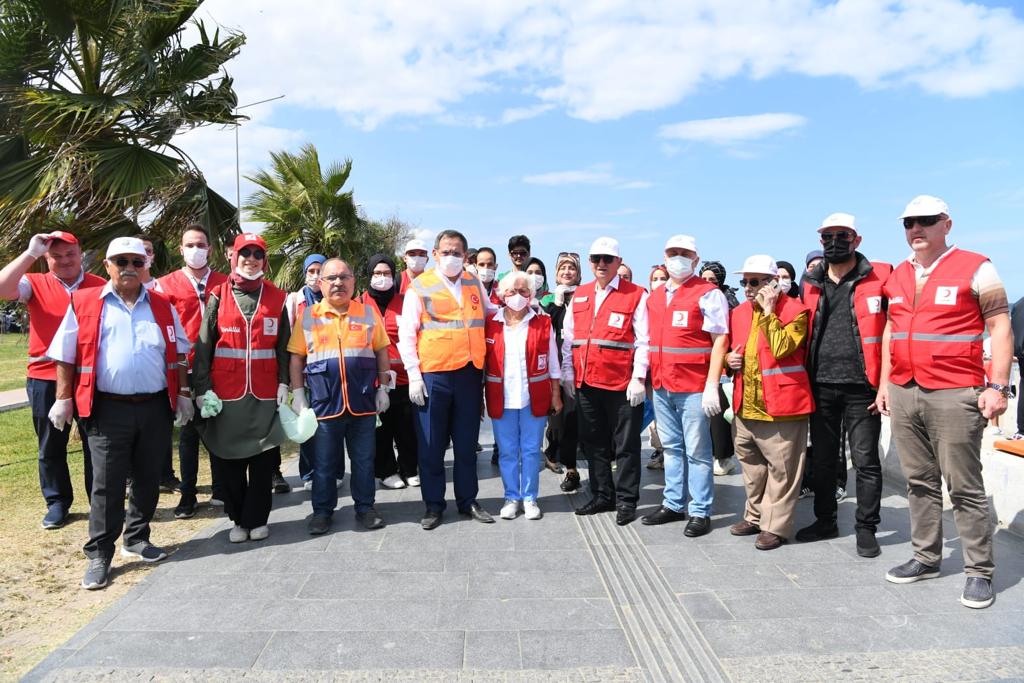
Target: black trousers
<point>246,483</point>
<point>563,435</point>
<point>397,429</point>
<point>839,406</point>
<point>610,428</point>
<point>125,438</point>
<point>54,477</point>
<point>721,431</point>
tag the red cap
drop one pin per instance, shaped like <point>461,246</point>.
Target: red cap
<point>62,236</point>
<point>249,239</point>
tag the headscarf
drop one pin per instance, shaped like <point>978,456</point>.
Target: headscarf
<point>384,298</point>
<point>794,288</point>
<point>543,271</point>
<point>719,270</point>
<point>561,290</point>
<point>310,294</point>
<point>243,284</point>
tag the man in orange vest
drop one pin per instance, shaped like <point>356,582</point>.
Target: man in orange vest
<point>441,341</point>
<point>941,302</point>
<point>46,295</point>
<point>120,353</point>
<point>771,401</point>
<point>604,360</point>
<point>847,306</point>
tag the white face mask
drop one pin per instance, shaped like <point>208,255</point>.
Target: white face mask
<point>382,283</point>
<point>471,269</point>
<point>416,263</point>
<point>784,284</point>
<point>538,282</point>
<point>657,283</point>
<point>255,276</point>
<point>195,257</point>
<point>149,262</point>
<point>451,265</point>
<point>516,302</point>
<point>486,275</point>
<point>312,280</point>
<point>679,267</point>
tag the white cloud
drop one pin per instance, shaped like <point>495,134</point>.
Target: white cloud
<point>515,114</point>
<point>731,129</point>
<point>599,174</point>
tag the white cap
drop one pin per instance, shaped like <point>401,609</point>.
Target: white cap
<point>759,263</point>
<point>415,245</point>
<point>126,245</point>
<point>608,246</point>
<point>925,205</point>
<point>681,242</point>
<point>838,220</point>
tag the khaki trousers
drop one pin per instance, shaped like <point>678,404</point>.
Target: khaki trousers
<point>772,456</point>
<point>938,435</point>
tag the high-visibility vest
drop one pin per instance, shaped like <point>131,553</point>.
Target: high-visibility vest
<point>390,317</point>
<point>89,313</point>
<point>46,309</point>
<point>451,332</point>
<point>538,341</point>
<point>680,349</point>
<point>341,366</point>
<point>180,291</point>
<point>602,347</point>
<point>245,356</point>
<point>869,315</point>
<point>936,340</point>
<point>787,389</point>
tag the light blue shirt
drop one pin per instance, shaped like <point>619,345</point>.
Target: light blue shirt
<point>130,358</point>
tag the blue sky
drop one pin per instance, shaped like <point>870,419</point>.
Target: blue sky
<point>741,123</point>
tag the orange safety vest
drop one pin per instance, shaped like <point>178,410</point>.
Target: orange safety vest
<point>180,291</point>
<point>602,350</point>
<point>935,339</point>
<point>390,317</point>
<point>451,333</point>
<point>245,356</point>
<point>46,309</point>
<point>680,348</point>
<point>538,342</point>
<point>337,386</point>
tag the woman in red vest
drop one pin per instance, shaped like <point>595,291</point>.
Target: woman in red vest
<point>521,388</point>
<point>241,356</point>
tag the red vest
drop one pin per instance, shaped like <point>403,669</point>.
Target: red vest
<point>89,312</point>
<point>602,348</point>
<point>538,342</point>
<point>787,389</point>
<point>870,316</point>
<point>680,349</point>
<point>936,340</point>
<point>390,318</point>
<point>46,309</point>
<point>245,357</point>
<point>178,289</point>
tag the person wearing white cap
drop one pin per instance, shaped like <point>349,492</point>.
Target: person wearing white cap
<point>604,360</point>
<point>846,304</point>
<point>771,401</point>
<point>689,323</point>
<point>942,300</point>
<point>415,256</point>
<point>121,362</point>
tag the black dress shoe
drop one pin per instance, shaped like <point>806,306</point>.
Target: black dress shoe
<point>571,482</point>
<point>479,514</point>
<point>431,520</point>
<point>817,532</point>
<point>697,526</point>
<point>594,506</point>
<point>624,516</point>
<point>663,515</point>
<point>278,484</point>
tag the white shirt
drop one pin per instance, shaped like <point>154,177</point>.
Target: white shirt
<point>641,332</point>
<point>713,306</point>
<point>516,385</point>
<point>25,286</point>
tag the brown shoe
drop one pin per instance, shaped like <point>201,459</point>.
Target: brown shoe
<point>744,528</point>
<point>766,540</point>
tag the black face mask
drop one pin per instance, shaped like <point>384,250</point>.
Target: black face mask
<point>838,251</point>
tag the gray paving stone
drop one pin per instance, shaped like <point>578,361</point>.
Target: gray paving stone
<point>731,553</point>
<point>814,602</point>
<point>943,596</point>
<point>415,540</point>
<point>385,586</point>
<point>674,556</point>
<point>360,560</point>
<point>369,650</point>
<point>197,649</point>
<point>239,562</point>
<point>704,606</point>
<point>565,537</point>
<point>566,649</point>
<point>528,613</point>
<point>192,588</point>
<point>493,650</point>
<point>834,574</point>
<point>535,584</point>
<point>462,561</point>
<point>725,578</point>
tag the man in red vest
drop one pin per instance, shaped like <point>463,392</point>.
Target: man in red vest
<point>941,302</point>
<point>415,255</point>
<point>847,307</point>
<point>120,353</point>
<point>604,357</point>
<point>188,290</point>
<point>46,295</point>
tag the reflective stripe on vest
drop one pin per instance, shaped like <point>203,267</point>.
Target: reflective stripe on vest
<point>783,370</point>
<point>605,343</point>
<point>673,349</point>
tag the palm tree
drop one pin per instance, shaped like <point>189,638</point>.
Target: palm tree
<point>92,93</point>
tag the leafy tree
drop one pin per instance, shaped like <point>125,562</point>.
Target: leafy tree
<point>92,93</point>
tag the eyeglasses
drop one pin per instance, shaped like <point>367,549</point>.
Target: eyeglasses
<point>246,252</point>
<point>521,253</point>
<point>841,235</point>
<point>123,262</point>
<point>755,282</point>
<point>923,221</point>
<point>344,277</point>
<point>601,258</point>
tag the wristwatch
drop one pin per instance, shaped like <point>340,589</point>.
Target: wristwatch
<point>1001,388</point>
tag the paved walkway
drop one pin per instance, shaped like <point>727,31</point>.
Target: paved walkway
<point>563,598</point>
<point>14,398</point>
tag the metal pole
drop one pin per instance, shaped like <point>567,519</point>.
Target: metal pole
<point>238,165</point>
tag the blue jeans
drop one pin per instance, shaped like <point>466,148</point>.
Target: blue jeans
<point>520,436</point>
<point>332,438</point>
<point>686,437</point>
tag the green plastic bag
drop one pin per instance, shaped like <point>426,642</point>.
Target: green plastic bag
<point>211,404</point>
<point>298,428</point>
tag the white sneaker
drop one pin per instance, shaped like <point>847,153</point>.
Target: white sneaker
<point>238,534</point>
<point>724,467</point>
<point>414,480</point>
<point>509,509</point>
<point>532,509</point>
<point>307,485</point>
<point>217,502</point>
<point>259,533</point>
<point>393,482</point>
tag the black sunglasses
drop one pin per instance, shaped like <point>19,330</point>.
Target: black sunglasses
<point>246,252</point>
<point>522,253</point>
<point>923,221</point>
<point>123,262</point>
<point>755,282</point>
<point>601,258</point>
<point>563,254</point>
<point>841,235</point>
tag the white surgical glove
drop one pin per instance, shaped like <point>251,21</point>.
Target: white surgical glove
<point>299,402</point>
<point>185,412</point>
<point>569,384</point>
<point>383,402</point>
<point>560,292</point>
<point>709,401</point>
<point>38,245</point>
<point>282,393</point>
<point>60,413</point>
<point>418,392</point>
<point>635,392</point>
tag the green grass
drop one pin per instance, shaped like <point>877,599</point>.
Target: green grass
<point>13,359</point>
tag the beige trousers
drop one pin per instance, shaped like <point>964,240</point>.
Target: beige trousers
<point>772,456</point>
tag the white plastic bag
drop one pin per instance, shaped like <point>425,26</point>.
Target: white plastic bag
<point>298,428</point>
